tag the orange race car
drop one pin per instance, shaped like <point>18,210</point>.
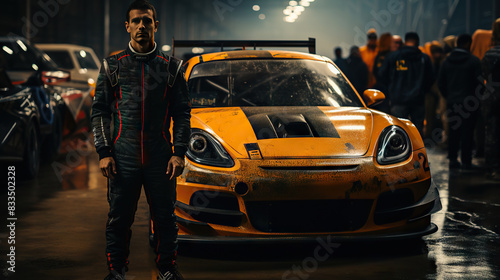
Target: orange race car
<point>283,148</point>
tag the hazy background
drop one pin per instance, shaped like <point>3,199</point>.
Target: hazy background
<point>331,22</point>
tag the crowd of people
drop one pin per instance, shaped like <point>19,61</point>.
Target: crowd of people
<point>450,90</point>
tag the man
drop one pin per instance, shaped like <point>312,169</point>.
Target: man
<point>458,81</point>
<point>384,49</point>
<point>368,54</point>
<point>407,75</point>
<point>397,43</point>
<point>143,90</point>
<point>356,70</point>
<point>339,60</point>
<point>490,65</point>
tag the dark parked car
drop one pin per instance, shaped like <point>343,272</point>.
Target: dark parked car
<point>32,107</point>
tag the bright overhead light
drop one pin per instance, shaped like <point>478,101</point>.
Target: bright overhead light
<point>294,16</point>
<point>7,50</point>
<point>166,48</point>
<point>262,16</point>
<point>256,8</point>
<point>305,3</point>
<point>288,19</point>
<point>287,12</point>
<point>22,45</point>
<point>293,3</point>
<point>83,53</point>
<point>197,50</point>
<point>300,8</point>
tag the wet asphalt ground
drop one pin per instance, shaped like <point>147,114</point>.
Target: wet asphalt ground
<point>59,234</point>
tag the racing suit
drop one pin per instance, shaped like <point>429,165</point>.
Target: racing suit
<point>490,65</point>
<point>142,92</point>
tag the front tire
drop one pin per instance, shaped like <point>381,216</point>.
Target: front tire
<point>31,162</point>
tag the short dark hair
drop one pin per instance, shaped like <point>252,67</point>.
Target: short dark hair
<point>338,51</point>
<point>463,40</point>
<point>140,5</point>
<point>354,49</point>
<point>412,36</point>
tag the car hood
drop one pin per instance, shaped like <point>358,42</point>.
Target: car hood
<point>289,132</point>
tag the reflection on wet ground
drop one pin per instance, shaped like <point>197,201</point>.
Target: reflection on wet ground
<point>62,213</point>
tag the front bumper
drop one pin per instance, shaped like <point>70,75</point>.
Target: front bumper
<point>349,199</point>
<point>197,239</point>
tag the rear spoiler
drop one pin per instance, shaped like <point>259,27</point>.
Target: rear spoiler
<point>310,44</point>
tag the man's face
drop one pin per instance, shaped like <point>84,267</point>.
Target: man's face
<point>372,41</point>
<point>396,43</point>
<point>141,26</point>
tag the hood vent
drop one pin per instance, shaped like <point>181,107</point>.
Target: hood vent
<point>291,122</point>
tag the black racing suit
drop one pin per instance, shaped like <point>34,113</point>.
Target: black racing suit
<point>407,75</point>
<point>491,102</point>
<point>458,81</point>
<point>142,93</point>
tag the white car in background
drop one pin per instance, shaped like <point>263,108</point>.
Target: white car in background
<point>81,61</point>
<point>83,64</point>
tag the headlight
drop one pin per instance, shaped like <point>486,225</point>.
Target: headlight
<point>394,145</point>
<point>203,148</point>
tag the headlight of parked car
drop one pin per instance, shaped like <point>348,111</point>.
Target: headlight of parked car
<point>394,145</point>
<point>205,149</point>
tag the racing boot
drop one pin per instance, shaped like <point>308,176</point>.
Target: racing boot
<point>171,273</point>
<point>113,275</point>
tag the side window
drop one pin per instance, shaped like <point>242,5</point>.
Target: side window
<point>61,58</point>
<point>85,60</point>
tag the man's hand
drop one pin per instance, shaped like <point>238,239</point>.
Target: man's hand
<point>108,167</point>
<point>175,166</point>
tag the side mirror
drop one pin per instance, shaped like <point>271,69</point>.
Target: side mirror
<point>373,97</point>
<point>55,77</point>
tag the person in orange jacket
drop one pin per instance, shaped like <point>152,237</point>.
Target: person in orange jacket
<point>368,54</point>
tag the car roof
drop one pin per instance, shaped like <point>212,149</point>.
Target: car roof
<point>12,38</point>
<point>62,47</point>
<point>256,54</point>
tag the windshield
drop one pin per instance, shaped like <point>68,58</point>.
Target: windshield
<point>269,82</point>
<point>18,56</point>
<point>85,60</point>
<point>61,58</point>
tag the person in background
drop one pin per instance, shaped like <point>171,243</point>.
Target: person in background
<point>339,60</point>
<point>435,104</point>
<point>397,43</point>
<point>384,48</point>
<point>491,112</point>
<point>481,43</point>
<point>457,82</point>
<point>368,53</point>
<point>356,70</point>
<point>407,74</point>
<point>449,43</point>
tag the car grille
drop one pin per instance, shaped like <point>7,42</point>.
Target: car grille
<point>311,168</point>
<point>213,207</point>
<point>308,215</point>
<point>392,206</point>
